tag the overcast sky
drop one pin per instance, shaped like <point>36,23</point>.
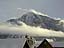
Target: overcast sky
<point>54,8</point>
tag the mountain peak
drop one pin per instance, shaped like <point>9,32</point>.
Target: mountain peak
<point>36,12</point>
<point>25,11</point>
<point>37,19</point>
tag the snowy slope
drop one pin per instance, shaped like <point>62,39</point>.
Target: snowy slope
<point>37,19</point>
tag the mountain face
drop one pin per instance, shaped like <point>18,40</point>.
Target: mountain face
<point>37,19</point>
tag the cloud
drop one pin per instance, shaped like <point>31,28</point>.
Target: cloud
<point>30,30</point>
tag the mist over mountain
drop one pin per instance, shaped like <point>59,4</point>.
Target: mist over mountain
<point>37,19</point>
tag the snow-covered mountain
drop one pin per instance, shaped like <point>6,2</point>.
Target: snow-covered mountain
<point>37,19</point>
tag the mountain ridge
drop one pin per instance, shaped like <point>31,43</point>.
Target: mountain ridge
<point>34,18</point>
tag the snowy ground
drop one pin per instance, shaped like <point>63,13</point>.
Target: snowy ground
<point>10,43</point>
<point>17,43</point>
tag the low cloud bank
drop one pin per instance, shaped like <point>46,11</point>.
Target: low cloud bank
<point>30,30</point>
